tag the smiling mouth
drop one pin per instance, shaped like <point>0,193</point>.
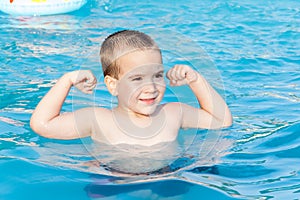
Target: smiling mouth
<point>148,101</point>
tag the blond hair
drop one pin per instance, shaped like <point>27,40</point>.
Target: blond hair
<point>120,43</point>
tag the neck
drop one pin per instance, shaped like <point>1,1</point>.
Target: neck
<point>136,118</point>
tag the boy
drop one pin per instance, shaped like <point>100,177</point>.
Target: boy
<point>133,72</point>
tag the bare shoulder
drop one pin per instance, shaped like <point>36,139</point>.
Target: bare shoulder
<point>100,112</point>
<point>181,113</point>
<point>91,114</point>
<point>173,109</point>
<point>172,105</point>
<point>90,111</point>
<point>102,123</point>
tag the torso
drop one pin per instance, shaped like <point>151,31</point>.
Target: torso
<point>115,128</point>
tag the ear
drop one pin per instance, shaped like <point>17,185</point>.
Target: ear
<point>111,84</point>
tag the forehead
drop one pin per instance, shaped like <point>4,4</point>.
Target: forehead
<point>140,60</point>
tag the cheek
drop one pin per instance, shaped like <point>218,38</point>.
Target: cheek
<point>161,87</point>
<point>128,91</point>
<point>162,90</point>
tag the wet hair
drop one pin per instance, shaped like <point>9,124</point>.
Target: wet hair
<point>121,43</point>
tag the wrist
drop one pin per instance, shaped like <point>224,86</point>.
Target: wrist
<point>68,79</point>
<point>198,82</point>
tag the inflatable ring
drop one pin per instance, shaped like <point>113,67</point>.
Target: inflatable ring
<point>39,7</point>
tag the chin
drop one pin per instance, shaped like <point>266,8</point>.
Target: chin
<point>147,111</point>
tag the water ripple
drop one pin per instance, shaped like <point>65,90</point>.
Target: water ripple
<point>253,49</point>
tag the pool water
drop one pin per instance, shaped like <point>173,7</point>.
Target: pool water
<point>248,50</point>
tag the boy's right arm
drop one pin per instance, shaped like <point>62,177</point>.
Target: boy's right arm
<point>46,119</point>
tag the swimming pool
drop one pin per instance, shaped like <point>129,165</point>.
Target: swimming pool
<point>254,60</point>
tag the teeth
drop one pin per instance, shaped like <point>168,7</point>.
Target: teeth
<point>148,99</point>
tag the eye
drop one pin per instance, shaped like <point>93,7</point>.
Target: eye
<point>159,75</point>
<point>139,78</point>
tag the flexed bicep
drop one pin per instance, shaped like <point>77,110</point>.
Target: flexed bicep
<point>69,125</point>
<point>199,118</point>
<point>47,119</point>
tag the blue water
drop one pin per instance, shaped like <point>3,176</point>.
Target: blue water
<point>248,50</point>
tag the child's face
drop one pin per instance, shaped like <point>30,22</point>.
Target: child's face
<point>141,84</point>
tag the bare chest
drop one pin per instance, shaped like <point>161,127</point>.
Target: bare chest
<point>124,130</point>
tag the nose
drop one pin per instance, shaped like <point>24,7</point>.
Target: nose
<point>150,87</point>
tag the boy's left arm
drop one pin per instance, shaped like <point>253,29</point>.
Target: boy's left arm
<point>214,112</point>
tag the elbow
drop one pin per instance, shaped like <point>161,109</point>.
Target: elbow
<point>227,121</point>
<point>38,127</point>
<point>33,124</point>
<point>224,122</point>
<point>220,124</point>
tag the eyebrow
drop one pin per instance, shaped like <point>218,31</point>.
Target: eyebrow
<point>160,71</point>
<point>135,75</point>
<point>141,74</point>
